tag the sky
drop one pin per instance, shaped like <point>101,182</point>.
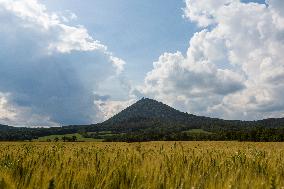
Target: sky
<point>80,62</point>
<point>137,31</point>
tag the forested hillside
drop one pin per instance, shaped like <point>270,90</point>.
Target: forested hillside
<point>148,120</point>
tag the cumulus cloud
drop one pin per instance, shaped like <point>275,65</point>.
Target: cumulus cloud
<point>49,69</point>
<point>6,113</point>
<point>11,114</point>
<point>203,12</point>
<point>108,107</point>
<point>234,66</point>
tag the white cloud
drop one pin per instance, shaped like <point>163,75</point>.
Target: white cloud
<point>204,12</point>
<point>109,108</point>
<point>49,69</point>
<point>65,38</point>
<point>21,116</point>
<point>6,113</point>
<point>234,67</point>
<point>119,63</point>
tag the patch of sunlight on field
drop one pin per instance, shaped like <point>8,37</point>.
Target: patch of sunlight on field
<point>197,131</point>
<point>141,165</point>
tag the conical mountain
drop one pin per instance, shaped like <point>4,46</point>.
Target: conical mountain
<point>150,109</point>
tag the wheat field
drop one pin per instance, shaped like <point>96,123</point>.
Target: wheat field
<point>154,165</point>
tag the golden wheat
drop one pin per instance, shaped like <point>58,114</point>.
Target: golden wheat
<point>141,165</point>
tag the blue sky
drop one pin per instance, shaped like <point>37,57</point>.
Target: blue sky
<point>211,58</point>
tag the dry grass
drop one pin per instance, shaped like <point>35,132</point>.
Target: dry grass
<point>141,165</point>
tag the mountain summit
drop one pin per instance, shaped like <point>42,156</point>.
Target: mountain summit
<point>150,109</point>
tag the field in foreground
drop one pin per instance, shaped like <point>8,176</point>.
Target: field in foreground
<point>142,165</point>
